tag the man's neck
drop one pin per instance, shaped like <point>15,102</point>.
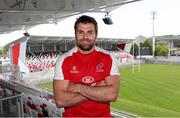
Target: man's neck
<point>86,52</point>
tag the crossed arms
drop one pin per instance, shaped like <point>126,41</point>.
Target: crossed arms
<point>68,94</point>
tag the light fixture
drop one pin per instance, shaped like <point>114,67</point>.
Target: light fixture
<point>26,34</point>
<point>107,19</point>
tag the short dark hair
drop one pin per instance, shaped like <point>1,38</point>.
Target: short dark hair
<point>86,19</point>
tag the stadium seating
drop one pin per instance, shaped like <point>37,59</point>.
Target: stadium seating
<point>40,106</point>
<point>38,61</point>
<point>41,60</point>
<point>32,104</point>
<point>122,57</point>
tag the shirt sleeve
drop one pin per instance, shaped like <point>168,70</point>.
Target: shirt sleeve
<point>58,73</point>
<point>114,68</point>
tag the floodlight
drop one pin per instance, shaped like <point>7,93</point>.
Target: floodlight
<point>107,19</point>
<point>26,34</point>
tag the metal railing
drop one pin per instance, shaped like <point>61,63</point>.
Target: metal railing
<point>12,106</point>
<point>11,100</point>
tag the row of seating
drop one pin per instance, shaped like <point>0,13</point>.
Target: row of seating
<point>42,55</point>
<point>38,106</point>
<point>5,92</point>
<point>8,106</point>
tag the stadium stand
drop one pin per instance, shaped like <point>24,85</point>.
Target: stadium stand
<point>122,57</point>
<point>40,106</point>
<point>19,99</point>
<point>38,61</point>
<point>41,60</point>
<point>29,104</point>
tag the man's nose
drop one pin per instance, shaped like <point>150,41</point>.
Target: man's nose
<point>85,35</point>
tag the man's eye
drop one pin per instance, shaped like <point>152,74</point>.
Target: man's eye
<point>80,32</point>
<point>91,32</point>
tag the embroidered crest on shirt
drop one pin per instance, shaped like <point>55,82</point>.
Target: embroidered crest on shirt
<point>74,70</point>
<point>100,67</point>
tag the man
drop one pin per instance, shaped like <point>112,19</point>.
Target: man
<point>86,78</point>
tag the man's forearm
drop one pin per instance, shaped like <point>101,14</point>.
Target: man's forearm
<point>99,93</point>
<point>70,99</point>
<point>63,94</point>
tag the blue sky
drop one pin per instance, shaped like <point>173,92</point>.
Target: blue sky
<point>129,21</point>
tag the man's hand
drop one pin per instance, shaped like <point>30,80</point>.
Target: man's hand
<point>101,83</point>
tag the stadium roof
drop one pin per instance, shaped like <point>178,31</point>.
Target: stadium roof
<point>24,14</point>
<point>62,39</point>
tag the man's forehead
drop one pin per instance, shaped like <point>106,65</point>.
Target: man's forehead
<point>86,25</point>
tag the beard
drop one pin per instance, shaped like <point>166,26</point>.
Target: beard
<point>85,44</point>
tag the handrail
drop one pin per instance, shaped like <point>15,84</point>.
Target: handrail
<point>12,97</point>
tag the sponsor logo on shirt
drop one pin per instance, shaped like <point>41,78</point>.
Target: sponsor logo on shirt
<point>87,79</point>
<point>100,67</point>
<point>74,70</point>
